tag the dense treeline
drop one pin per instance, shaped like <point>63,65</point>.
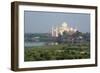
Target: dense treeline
<point>66,37</point>
<point>58,52</point>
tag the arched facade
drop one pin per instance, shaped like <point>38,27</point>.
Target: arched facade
<point>62,28</point>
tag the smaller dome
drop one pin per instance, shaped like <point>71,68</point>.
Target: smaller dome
<point>71,29</point>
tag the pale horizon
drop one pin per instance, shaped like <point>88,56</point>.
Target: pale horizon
<point>42,22</point>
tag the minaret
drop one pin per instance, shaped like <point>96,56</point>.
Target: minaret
<point>56,32</point>
<point>52,31</point>
<point>77,27</point>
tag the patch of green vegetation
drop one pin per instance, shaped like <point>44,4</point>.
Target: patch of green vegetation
<point>57,52</point>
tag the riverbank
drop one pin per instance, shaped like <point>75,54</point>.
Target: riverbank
<point>57,52</point>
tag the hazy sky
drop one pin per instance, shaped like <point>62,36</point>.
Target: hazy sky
<point>42,22</point>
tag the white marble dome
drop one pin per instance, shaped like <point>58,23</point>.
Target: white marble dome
<point>64,24</point>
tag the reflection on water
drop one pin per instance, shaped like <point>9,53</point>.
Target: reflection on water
<point>31,44</point>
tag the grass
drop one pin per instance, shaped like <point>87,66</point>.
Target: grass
<point>57,52</point>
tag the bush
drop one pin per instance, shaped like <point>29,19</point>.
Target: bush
<point>58,52</point>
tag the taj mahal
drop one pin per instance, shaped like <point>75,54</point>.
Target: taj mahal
<point>62,28</point>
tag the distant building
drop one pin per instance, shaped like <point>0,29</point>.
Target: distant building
<point>62,28</point>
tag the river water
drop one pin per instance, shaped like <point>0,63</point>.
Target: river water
<point>31,44</point>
